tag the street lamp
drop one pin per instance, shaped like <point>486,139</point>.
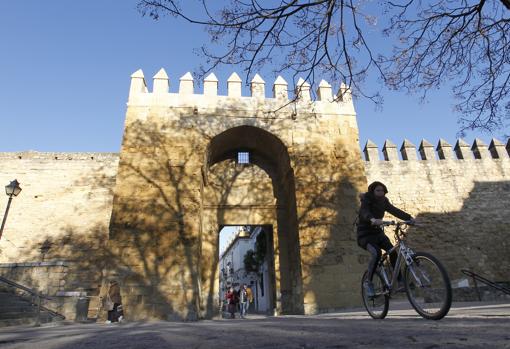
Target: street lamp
<point>12,189</point>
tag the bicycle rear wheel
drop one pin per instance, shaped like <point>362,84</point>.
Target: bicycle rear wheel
<point>428,286</point>
<point>377,306</point>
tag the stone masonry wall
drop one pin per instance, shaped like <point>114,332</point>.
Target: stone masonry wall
<point>170,194</point>
<point>458,199</point>
<point>459,196</point>
<point>164,231</point>
<point>57,226</point>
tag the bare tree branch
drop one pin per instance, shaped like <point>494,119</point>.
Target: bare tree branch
<point>460,42</point>
<point>464,42</point>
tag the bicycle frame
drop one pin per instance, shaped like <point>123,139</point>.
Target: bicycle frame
<point>404,255</point>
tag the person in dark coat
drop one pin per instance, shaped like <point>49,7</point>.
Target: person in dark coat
<point>371,237</point>
<point>116,314</point>
<point>231,301</point>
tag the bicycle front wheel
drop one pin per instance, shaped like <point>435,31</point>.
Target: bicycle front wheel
<point>377,306</point>
<point>428,286</point>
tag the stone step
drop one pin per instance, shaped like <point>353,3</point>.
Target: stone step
<point>17,302</point>
<point>16,314</point>
<point>31,316</point>
<point>9,300</point>
<point>6,297</point>
<point>14,307</point>
<point>486,294</point>
<point>7,294</point>
<point>14,310</point>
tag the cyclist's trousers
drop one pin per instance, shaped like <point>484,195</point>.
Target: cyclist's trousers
<point>374,244</point>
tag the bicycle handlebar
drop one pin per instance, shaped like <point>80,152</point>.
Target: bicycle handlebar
<point>400,232</point>
<point>388,223</point>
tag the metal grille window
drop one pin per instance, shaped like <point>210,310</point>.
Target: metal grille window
<point>243,157</point>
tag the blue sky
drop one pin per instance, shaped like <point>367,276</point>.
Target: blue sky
<point>66,68</point>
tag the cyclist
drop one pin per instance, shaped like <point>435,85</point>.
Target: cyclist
<point>371,237</point>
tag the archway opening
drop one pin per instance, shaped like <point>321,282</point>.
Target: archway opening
<point>257,191</point>
<point>246,260</point>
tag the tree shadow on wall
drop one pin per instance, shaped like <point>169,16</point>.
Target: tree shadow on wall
<point>74,236</point>
<point>155,239</point>
<point>163,169</point>
<point>332,261</point>
<point>475,238</point>
<point>229,186</point>
<point>152,248</point>
<point>156,228</point>
<point>164,165</point>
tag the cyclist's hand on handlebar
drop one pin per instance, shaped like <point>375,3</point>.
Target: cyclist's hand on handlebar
<point>376,221</point>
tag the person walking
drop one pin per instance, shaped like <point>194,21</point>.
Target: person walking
<point>115,312</point>
<point>249,292</point>
<point>231,302</point>
<point>244,300</point>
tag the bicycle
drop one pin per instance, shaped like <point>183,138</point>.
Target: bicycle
<point>425,279</point>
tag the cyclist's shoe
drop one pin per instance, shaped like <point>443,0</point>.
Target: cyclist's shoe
<point>369,288</point>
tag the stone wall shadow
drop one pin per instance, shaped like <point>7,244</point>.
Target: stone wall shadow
<point>475,238</point>
<point>327,207</point>
<point>226,179</point>
<point>156,228</point>
<point>153,247</point>
<point>220,120</point>
<point>156,231</point>
<point>319,201</point>
<point>70,257</point>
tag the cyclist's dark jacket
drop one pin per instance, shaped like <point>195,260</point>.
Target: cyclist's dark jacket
<point>372,207</point>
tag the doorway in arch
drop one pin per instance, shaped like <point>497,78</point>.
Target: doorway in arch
<point>247,258</point>
<point>249,182</point>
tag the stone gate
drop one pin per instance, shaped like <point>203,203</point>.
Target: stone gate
<point>178,182</point>
<point>150,216</point>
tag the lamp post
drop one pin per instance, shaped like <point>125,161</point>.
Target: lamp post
<point>12,189</point>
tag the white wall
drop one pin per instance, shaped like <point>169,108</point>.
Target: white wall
<point>235,255</point>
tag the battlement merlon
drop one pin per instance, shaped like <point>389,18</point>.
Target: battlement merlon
<point>477,151</point>
<point>326,103</point>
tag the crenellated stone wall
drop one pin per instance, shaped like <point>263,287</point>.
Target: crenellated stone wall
<point>172,142</point>
<point>459,195</point>
<point>149,217</point>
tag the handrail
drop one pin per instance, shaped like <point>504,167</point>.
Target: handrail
<point>37,296</point>
<point>24,288</point>
<point>489,283</point>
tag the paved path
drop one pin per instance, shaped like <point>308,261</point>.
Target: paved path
<point>473,325</point>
